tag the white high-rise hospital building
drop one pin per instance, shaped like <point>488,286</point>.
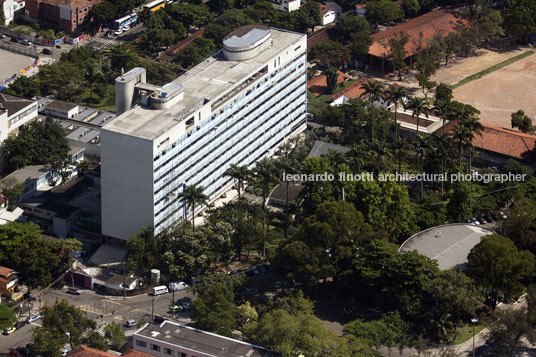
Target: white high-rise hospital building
<point>235,107</point>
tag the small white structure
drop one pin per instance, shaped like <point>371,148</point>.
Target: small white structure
<point>329,15</point>
<point>60,109</point>
<point>14,112</point>
<point>11,8</point>
<point>286,5</point>
<point>118,282</point>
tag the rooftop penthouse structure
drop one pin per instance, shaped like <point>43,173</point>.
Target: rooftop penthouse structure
<point>235,107</point>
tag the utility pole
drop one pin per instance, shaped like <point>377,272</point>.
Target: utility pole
<point>152,310</point>
<point>474,321</point>
<point>124,281</point>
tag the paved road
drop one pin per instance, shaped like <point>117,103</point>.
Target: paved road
<point>19,338</point>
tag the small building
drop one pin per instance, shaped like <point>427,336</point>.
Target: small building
<point>419,30</point>
<point>9,284</point>
<point>118,283</point>
<point>355,91</point>
<point>60,109</point>
<point>69,15</point>
<point>334,6</point>
<point>35,178</point>
<point>19,112</point>
<point>322,148</point>
<point>173,339</point>
<point>328,14</point>
<point>497,145</point>
<point>11,9</point>
<point>361,9</point>
<point>449,244</point>
<point>286,5</point>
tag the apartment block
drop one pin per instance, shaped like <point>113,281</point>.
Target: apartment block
<point>69,15</point>
<point>235,107</point>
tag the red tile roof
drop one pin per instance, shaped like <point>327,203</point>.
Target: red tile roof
<point>419,29</point>
<point>318,85</point>
<point>5,272</point>
<point>503,141</point>
<point>129,352</point>
<point>353,91</point>
<point>324,9</point>
<point>324,34</point>
<point>84,351</point>
<point>360,6</point>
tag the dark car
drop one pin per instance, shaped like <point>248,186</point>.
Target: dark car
<point>159,319</point>
<point>46,51</point>
<point>58,46</point>
<point>16,40</point>
<point>19,324</point>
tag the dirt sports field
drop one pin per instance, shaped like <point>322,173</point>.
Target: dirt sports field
<point>500,93</point>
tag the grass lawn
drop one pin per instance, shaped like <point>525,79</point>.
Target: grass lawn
<point>106,104</point>
<point>492,68</point>
<point>465,332</point>
<point>27,30</point>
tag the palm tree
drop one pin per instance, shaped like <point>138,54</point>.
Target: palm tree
<point>192,196</point>
<point>381,153</point>
<point>238,173</point>
<point>443,145</point>
<point>358,156</point>
<point>444,108</point>
<point>401,149</point>
<point>474,127</point>
<point>396,95</point>
<point>265,174</point>
<point>418,106</point>
<point>460,135</point>
<point>374,91</point>
<point>423,145</point>
<point>286,165</point>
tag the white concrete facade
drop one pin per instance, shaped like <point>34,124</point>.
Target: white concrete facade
<point>286,5</point>
<point>11,8</point>
<point>14,116</point>
<point>232,112</point>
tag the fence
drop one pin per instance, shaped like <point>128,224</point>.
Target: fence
<point>18,49</point>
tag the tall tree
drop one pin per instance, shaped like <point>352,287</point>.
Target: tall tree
<point>418,106</point>
<point>401,149</point>
<point>522,122</point>
<point>520,19</point>
<point>63,323</point>
<point>265,176</point>
<point>396,96</point>
<point>7,317</point>
<point>193,196</point>
<point>383,12</point>
<point>331,79</point>
<point>114,333</point>
<point>397,52</point>
<point>374,91</point>
<point>238,173</point>
<point>497,265</point>
<point>460,205</point>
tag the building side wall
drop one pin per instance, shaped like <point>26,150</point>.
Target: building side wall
<point>127,184</point>
<point>158,348</point>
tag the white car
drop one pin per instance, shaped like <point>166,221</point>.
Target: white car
<point>125,28</point>
<point>33,318</point>
<point>177,285</point>
<point>118,32</point>
<point>65,351</point>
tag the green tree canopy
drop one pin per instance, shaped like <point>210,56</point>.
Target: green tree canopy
<point>7,317</point>
<point>522,121</point>
<point>499,267</point>
<point>383,12</point>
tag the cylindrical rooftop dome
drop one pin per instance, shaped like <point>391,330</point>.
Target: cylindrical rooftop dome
<point>246,42</point>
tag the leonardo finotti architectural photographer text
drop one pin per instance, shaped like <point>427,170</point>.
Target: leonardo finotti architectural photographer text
<point>405,176</point>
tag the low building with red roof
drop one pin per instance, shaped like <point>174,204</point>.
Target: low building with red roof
<point>318,85</point>
<point>419,30</point>
<point>499,144</point>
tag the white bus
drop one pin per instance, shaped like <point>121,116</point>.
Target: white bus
<point>157,290</point>
<point>127,20</point>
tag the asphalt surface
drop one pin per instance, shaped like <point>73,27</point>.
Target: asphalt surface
<point>102,309</point>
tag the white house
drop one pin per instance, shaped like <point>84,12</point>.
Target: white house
<point>60,109</point>
<point>118,283</point>
<point>329,14</point>
<point>286,5</point>
<point>11,8</point>
<point>19,112</point>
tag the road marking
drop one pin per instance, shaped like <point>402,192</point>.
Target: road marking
<point>119,317</point>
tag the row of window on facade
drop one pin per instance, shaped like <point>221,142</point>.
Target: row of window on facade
<point>156,348</point>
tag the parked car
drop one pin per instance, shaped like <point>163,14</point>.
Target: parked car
<point>489,218</point>
<point>74,291</point>
<point>46,51</point>
<point>186,306</point>
<point>26,42</point>
<point>15,353</point>
<point>9,330</point>
<point>2,35</point>
<point>159,319</point>
<point>58,46</point>
<point>177,285</point>
<point>33,318</point>
<point>19,324</point>
<point>131,323</point>
<point>14,39</point>
<point>125,28</point>
<point>118,32</point>
<point>65,351</point>
<point>482,219</point>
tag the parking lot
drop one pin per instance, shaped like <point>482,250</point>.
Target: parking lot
<point>11,63</point>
